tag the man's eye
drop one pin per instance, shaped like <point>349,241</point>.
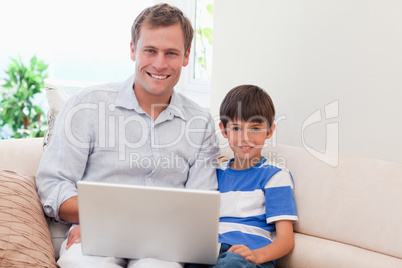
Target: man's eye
<point>172,53</point>
<point>150,51</point>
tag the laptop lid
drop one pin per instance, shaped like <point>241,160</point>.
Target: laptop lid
<point>135,222</point>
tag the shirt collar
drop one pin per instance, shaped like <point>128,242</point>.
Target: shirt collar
<point>175,107</point>
<point>126,98</point>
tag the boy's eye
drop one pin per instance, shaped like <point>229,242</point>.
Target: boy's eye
<point>236,129</point>
<point>256,129</point>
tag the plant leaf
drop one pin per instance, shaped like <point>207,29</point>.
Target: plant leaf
<point>34,60</point>
<point>42,66</point>
<point>210,10</point>
<point>207,33</point>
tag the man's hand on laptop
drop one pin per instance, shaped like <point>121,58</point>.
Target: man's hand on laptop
<point>74,237</point>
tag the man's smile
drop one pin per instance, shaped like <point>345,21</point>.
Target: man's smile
<point>161,77</point>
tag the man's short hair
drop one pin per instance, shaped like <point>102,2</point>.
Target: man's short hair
<point>247,103</point>
<point>163,15</point>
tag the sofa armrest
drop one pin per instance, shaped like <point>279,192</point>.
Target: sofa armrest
<point>21,155</point>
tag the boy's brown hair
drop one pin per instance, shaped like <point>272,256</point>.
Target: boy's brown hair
<point>248,103</point>
<point>163,15</point>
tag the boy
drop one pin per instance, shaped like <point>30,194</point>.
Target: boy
<point>257,202</point>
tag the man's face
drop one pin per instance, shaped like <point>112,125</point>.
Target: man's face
<point>159,56</point>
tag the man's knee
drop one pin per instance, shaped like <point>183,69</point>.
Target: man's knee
<point>74,258</point>
<point>151,263</point>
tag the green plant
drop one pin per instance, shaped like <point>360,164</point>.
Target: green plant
<point>203,38</point>
<point>17,109</point>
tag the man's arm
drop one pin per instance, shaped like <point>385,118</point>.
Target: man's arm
<point>64,162</point>
<point>280,247</point>
<point>68,210</point>
<point>202,173</point>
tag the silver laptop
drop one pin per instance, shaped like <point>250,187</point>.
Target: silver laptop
<point>137,222</point>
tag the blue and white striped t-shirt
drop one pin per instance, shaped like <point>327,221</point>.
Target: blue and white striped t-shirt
<point>251,201</point>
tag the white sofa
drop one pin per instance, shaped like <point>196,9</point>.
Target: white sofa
<point>349,215</point>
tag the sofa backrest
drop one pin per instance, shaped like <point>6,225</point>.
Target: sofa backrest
<point>21,155</point>
<point>356,203</point>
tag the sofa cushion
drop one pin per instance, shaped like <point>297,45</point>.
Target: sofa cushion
<point>24,234</point>
<point>55,99</point>
<point>355,203</point>
<point>315,252</point>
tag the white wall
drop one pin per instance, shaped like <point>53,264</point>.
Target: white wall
<point>309,54</point>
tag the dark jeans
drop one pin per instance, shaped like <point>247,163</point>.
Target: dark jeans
<point>231,260</point>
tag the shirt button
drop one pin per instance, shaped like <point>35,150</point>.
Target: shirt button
<point>149,179</point>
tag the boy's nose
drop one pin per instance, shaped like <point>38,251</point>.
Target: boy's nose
<point>245,137</point>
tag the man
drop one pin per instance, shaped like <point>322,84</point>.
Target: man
<point>139,131</point>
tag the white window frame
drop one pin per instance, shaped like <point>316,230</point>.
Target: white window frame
<point>198,90</point>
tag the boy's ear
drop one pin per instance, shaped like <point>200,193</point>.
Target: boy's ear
<point>223,130</point>
<point>271,131</point>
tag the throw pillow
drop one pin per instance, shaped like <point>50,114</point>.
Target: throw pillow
<point>56,99</point>
<point>25,239</point>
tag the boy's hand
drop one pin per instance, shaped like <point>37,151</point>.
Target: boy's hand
<point>281,246</point>
<point>245,252</point>
<point>74,237</point>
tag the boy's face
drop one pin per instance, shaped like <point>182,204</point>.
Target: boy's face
<point>246,139</point>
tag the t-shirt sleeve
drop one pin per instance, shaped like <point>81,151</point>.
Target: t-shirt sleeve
<point>279,198</point>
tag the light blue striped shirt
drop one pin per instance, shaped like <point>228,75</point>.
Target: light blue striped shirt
<point>252,200</point>
<point>102,134</point>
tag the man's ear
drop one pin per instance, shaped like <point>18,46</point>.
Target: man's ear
<point>186,58</point>
<point>271,131</point>
<point>223,130</point>
<point>132,51</point>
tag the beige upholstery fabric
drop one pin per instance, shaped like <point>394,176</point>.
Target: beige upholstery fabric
<point>21,155</point>
<point>25,239</point>
<point>313,252</point>
<point>356,203</point>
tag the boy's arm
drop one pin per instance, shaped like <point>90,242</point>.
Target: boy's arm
<point>280,247</point>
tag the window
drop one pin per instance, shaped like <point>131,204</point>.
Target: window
<point>87,42</point>
<point>203,40</point>
<point>195,80</point>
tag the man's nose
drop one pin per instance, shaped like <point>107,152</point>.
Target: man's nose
<point>160,61</point>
